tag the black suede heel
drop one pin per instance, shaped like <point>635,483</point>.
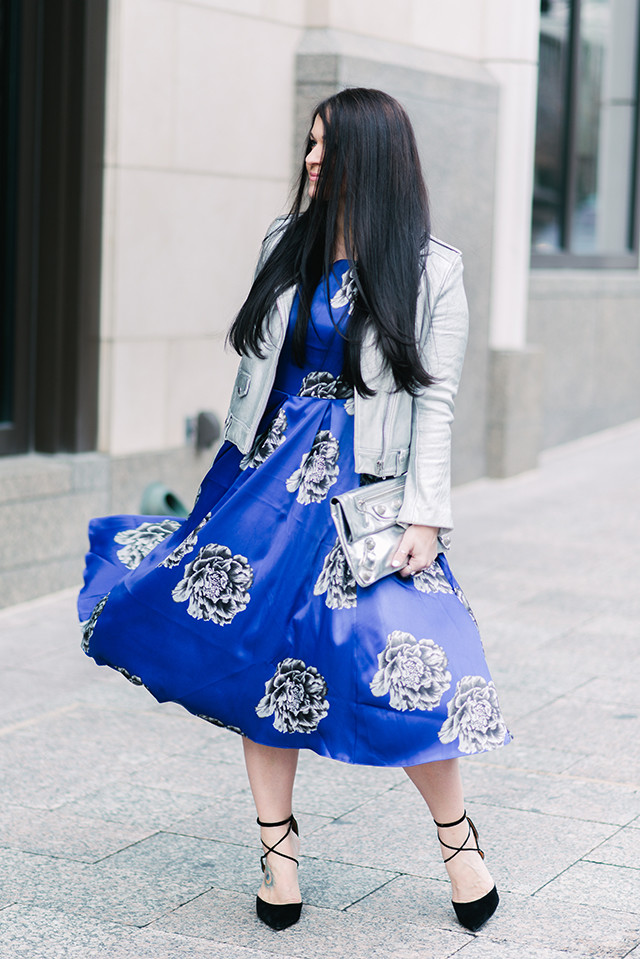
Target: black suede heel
<point>472,915</point>
<point>272,914</point>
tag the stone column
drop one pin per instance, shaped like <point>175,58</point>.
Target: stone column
<point>511,36</point>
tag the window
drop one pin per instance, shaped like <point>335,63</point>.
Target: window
<point>52,85</point>
<point>13,422</point>
<point>586,159</point>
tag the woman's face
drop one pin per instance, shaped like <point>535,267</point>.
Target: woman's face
<point>313,159</point>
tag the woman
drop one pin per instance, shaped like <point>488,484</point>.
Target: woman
<point>352,339</point>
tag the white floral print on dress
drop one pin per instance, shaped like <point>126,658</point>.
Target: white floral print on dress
<point>138,542</point>
<point>295,696</point>
<point>413,671</point>
<point>318,470</point>
<point>216,584</point>
<point>266,443</point>
<point>336,580</point>
<point>474,717</point>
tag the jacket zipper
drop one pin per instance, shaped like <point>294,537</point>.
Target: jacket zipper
<point>391,403</point>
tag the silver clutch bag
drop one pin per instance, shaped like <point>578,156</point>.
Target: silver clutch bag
<point>369,535</point>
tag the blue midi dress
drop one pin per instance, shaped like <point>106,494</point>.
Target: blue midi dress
<point>246,612</point>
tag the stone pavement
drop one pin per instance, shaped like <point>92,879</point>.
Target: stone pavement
<point>127,830</point>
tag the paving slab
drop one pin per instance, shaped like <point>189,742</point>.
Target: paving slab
<point>623,690</point>
<point>616,888</point>
<point>482,948</point>
<point>609,767</point>
<point>521,920</point>
<point>548,844</point>
<point>138,806</point>
<point>336,885</point>
<point>601,643</point>
<point>553,795</point>
<point>84,751</point>
<point>529,687</point>
<point>520,755</point>
<point>328,788</point>
<point>621,849</point>
<point>64,836</point>
<point>25,877</point>
<point>320,934</point>
<point>26,697</point>
<point>602,728</point>
<point>37,933</point>
<point>154,877</point>
<point>357,837</point>
<point>423,902</point>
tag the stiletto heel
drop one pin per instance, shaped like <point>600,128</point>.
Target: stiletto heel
<point>472,915</point>
<point>277,916</point>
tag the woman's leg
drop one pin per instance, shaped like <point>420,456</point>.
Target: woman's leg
<point>271,774</point>
<point>440,785</point>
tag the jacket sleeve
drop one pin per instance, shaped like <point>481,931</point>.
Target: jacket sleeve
<point>272,236</point>
<point>427,499</point>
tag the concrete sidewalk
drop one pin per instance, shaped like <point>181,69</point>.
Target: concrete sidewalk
<point>127,829</point>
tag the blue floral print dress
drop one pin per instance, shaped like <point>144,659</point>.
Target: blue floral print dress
<point>246,612</point>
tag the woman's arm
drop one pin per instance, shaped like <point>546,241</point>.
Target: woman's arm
<point>427,499</point>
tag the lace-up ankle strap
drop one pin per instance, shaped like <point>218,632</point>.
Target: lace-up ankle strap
<point>291,822</point>
<point>463,847</point>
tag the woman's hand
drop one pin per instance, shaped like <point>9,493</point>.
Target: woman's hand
<point>417,550</point>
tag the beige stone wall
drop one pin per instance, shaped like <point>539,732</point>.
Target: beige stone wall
<point>473,29</point>
<point>199,128</point>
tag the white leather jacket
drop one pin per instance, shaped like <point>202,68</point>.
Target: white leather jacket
<point>394,433</point>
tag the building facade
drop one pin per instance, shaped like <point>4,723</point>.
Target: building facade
<point>146,146</point>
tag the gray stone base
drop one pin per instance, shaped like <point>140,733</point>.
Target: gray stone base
<point>47,501</point>
<point>514,431</point>
<point>586,321</point>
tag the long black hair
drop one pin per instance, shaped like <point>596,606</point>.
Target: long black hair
<point>370,163</point>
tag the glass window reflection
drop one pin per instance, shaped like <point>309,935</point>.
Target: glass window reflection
<point>586,128</point>
<point>606,110</point>
<point>552,119</point>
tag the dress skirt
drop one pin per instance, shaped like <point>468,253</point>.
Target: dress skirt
<point>246,612</point>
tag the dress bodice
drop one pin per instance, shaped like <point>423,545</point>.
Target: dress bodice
<point>324,348</point>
